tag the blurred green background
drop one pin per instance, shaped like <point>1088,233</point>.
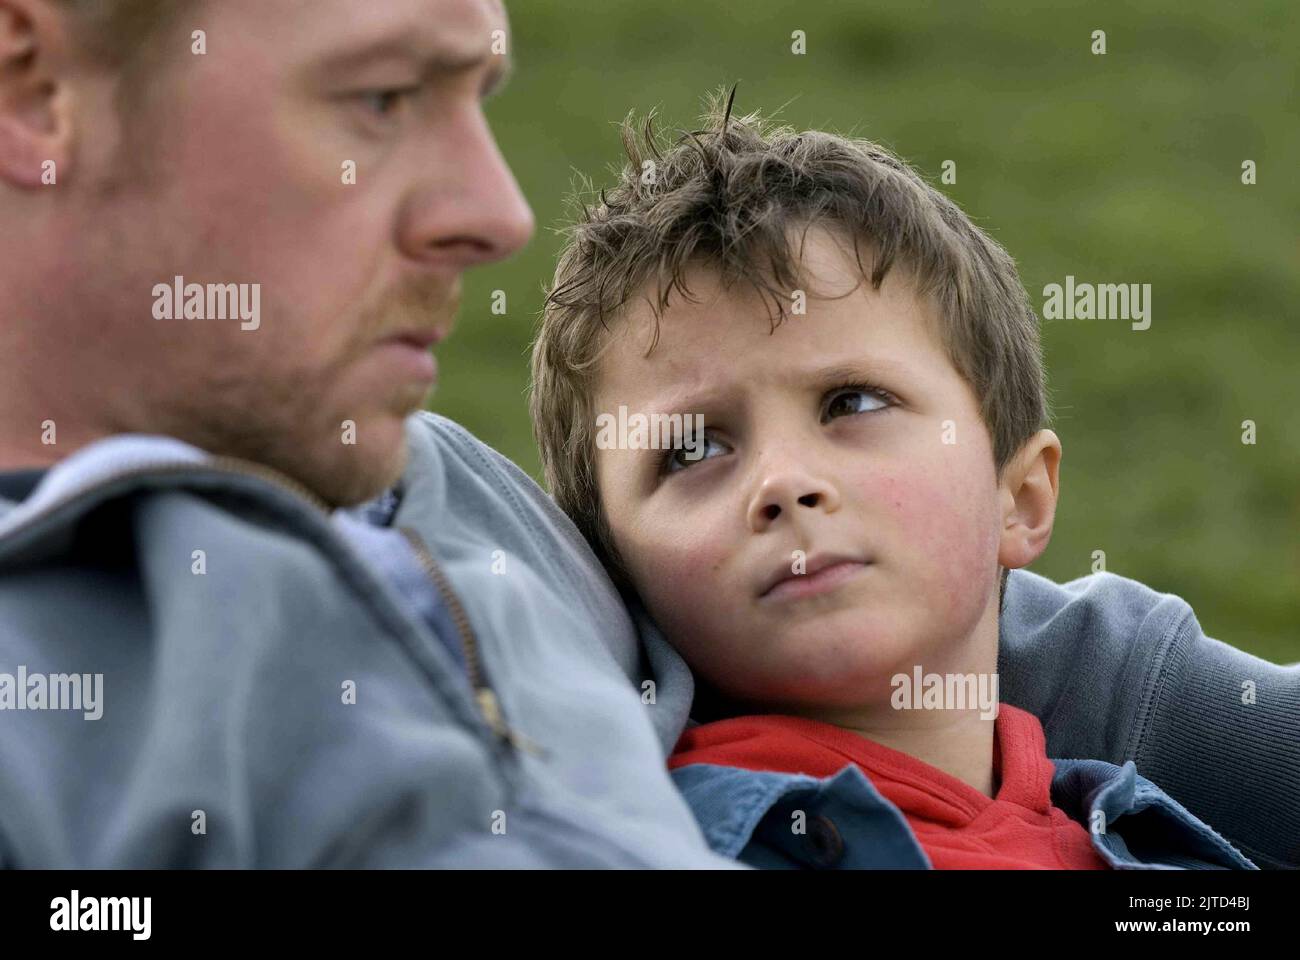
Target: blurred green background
<point>1117,168</point>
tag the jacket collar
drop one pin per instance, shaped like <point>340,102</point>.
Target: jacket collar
<point>96,465</point>
<point>731,804</point>
<point>1101,795</point>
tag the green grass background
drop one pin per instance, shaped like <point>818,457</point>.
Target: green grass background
<point>1117,168</point>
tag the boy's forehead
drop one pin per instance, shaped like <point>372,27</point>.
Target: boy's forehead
<point>697,346</point>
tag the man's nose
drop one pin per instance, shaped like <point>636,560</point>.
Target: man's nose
<point>469,209</point>
<point>786,490</point>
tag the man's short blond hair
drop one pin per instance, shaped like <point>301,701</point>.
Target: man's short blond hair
<point>727,197</point>
<point>118,32</point>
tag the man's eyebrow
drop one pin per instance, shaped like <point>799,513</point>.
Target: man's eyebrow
<point>433,60</point>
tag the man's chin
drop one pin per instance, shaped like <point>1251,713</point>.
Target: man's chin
<point>360,462</point>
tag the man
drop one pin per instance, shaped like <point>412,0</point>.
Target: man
<point>255,611</point>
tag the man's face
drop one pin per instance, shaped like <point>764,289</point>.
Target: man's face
<point>805,458</point>
<point>238,170</point>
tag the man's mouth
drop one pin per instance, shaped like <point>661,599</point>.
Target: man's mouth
<point>819,574</point>
<point>421,339</point>
<point>410,353</point>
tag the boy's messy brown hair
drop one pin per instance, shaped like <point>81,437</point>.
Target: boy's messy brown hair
<point>728,197</point>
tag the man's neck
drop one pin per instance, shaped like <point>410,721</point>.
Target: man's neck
<point>21,454</point>
<point>39,428</point>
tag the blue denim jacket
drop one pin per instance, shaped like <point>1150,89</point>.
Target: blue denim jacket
<point>849,825</point>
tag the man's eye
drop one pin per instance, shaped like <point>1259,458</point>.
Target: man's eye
<point>679,458</point>
<point>856,399</point>
<point>386,102</point>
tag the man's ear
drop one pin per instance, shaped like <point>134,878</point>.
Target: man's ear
<point>35,119</point>
<point>1029,489</point>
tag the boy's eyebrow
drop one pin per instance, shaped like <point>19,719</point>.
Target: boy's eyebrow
<point>688,400</point>
<point>867,368</point>
<point>821,377</point>
<point>434,59</point>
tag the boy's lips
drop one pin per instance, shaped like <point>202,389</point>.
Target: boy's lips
<point>823,572</point>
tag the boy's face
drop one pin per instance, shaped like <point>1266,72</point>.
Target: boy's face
<point>802,455</point>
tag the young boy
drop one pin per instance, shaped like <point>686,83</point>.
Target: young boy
<point>795,400</point>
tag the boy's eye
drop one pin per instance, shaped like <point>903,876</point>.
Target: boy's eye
<point>679,458</point>
<point>855,399</point>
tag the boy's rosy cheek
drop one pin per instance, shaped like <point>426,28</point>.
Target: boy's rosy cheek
<point>697,568</point>
<point>683,588</point>
<point>682,567</point>
<point>936,526</point>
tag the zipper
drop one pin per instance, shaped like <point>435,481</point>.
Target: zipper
<point>486,698</point>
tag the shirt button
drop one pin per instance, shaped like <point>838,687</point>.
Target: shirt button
<point>827,846</point>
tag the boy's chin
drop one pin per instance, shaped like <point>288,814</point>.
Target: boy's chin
<point>815,681</point>
<point>841,668</point>
<point>852,638</point>
<point>798,696</point>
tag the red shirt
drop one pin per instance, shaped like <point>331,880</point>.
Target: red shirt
<point>958,827</point>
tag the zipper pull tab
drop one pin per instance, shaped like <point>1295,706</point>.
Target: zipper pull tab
<point>490,707</point>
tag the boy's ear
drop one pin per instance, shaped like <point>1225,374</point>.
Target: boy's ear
<point>35,119</point>
<point>1028,490</point>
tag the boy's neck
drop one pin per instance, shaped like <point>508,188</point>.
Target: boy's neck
<point>957,741</point>
<point>961,747</point>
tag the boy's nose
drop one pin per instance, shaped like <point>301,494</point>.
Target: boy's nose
<point>787,492</point>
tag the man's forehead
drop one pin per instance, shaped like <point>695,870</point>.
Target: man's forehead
<point>457,31</point>
<point>354,15</point>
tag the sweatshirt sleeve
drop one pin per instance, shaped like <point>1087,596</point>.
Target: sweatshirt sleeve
<point>1117,671</point>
